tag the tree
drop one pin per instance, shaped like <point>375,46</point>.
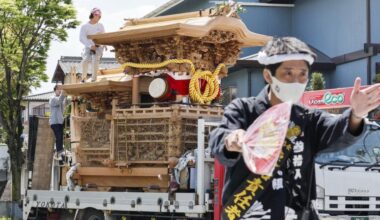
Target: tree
<point>317,81</point>
<point>27,28</point>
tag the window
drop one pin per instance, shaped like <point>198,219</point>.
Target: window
<point>228,94</point>
<point>40,110</point>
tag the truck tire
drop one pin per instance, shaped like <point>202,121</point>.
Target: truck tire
<point>209,216</point>
<point>93,214</point>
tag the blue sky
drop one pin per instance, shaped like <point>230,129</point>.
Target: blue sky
<point>113,14</point>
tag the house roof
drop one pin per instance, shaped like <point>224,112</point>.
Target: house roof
<point>278,1</point>
<point>323,62</point>
<point>42,97</point>
<point>173,3</point>
<point>67,63</point>
<point>168,5</point>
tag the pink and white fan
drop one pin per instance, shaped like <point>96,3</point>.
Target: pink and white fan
<point>264,139</point>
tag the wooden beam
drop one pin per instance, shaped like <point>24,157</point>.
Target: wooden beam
<point>124,164</point>
<point>111,71</point>
<point>102,86</point>
<point>353,56</point>
<point>122,172</point>
<point>132,181</point>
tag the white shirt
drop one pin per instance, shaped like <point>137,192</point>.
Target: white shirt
<point>90,29</point>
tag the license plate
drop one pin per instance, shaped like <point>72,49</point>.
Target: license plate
<point>360,218</point>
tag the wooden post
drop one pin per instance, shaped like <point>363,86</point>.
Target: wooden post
<point>73,131</point>
<point>43,155</point>
<point>113,132</point>
<point>135,90</point>
<point>73,76</point>
<point>114,106</point>
<point>178,130</point>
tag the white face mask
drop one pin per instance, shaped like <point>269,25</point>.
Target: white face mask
<point>287,91</point>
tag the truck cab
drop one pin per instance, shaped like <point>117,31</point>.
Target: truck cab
<point>347,181</point>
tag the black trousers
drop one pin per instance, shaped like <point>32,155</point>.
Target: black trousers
<point>58,133</point>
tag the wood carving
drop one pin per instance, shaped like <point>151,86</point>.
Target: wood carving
<point>122,137</point>
<point>206,53</point>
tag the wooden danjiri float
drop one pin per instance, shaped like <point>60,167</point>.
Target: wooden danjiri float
<point>129,128</point>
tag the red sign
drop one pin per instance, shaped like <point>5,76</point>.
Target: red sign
<point>329,98</point>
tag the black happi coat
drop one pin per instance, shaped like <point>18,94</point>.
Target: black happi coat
<point>317,131</point>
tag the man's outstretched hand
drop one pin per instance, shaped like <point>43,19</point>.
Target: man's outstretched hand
<point>364,100</point>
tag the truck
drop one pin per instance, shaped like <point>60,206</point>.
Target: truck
<point>140,131</point>
<point>347,180</point>
<point>150,204</point>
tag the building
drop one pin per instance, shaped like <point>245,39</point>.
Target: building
<point>70,66</point>
<point>37,104</point>
<point>343,34</point>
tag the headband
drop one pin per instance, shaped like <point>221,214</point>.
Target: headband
<point>264,59</point>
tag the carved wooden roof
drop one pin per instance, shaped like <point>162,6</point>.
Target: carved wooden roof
<point>193,24</point>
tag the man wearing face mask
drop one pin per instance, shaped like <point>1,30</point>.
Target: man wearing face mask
<point>246,195</point>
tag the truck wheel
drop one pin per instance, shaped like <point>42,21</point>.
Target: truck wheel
<point>93,214</point>
<point>209,216</point>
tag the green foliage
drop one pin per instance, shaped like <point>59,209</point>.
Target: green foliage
<point>377,78</point>
<point>67,110</point>
<point>317,81</point>
<point>2,135</point>
<point>27,28</point>
<point>230,8</point>
<point>236,6</point>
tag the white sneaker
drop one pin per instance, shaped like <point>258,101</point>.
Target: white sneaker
<point>58,156</point>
